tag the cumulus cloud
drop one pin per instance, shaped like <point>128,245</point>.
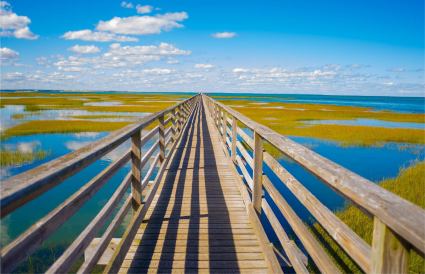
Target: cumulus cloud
<point>13,76</point>
<point>204,66</point>
<point>97,36</point>
<point>76,145</point>
<point>119,56</point>
<point>90,49</point>
<point>127,5</point>
<point>14,25</point>
<point>143,25</point>
<point>223,35</point>
<point>158,71</point>
<point>7,54</point>
<point>27,147</point>
<point>144,9</point>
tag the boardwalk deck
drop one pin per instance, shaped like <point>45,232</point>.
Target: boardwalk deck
<point>198,219</point>
<point>197,214</point>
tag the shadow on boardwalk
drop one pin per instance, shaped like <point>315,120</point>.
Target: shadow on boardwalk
<point>162,246</point>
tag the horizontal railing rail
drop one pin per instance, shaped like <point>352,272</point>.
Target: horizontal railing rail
<point>22,188</point>
<point>398,224</point>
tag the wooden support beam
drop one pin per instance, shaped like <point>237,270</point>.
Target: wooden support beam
<point>257,177</point>
<point>234,137</point>
<point>389,253</point>
<point>161,139</point>
<point>136,169</point>
<point>224,126</point>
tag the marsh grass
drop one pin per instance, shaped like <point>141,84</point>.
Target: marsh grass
<point>289,119</point>
<point>105,116</point>
<point>410,185</point>
<point>18,116</point>
<point>61,126</point>
<point>16,157</point>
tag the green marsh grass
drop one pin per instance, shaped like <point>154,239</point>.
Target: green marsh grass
<point>289,119</point>
<point>61,126</point>
<point>15,157</point>
<point>410,185</point>
<point>105,116</point>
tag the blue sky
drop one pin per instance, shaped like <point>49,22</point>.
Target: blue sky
<point>322,47</point>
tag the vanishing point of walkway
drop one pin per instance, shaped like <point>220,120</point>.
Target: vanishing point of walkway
<point>197,221</point>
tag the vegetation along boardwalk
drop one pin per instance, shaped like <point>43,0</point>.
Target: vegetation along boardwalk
<point>200,197</point>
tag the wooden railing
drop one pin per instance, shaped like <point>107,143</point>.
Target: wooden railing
<point>19,190</point>
<point>398,224</point>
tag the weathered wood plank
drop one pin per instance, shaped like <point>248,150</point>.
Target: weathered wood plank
<point>22,188</point>
<point>136,169</point>
<point>294,255</point>
<point>403,217</point>
<point>91,261</point>
<point>323,261</point>
<point>257,175</point>
<point>389,254</point>
<point>77,247</point>
<point>355,246</point>
<point>33,237</point>
<point>137,220</point>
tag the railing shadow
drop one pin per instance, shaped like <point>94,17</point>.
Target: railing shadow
<point>220,247</point>
<point>222,257</point>
<point>151,235</point>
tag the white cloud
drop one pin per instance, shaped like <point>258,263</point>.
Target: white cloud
<point>204,66</point>
<point>7,54</point>
<point>13,76</point>
<point>239,70</point>
<point>24,33</point>
<point>27,147</point>
<point>172,61</point>
<point>223,35</point>
<point>15,25</point>
<point>142,25</point>
<point>127,5</point>
<point>75,145</point>
<point>90,49</point>
<point>158,71</point>
<point>144,9</point>
<point>97,36</point>
<point>120,57</point>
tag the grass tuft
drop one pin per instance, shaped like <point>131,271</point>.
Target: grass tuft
<point>15,157</point>
<point>289,119</point>
<point>410,185</point>
<point>61,126</point>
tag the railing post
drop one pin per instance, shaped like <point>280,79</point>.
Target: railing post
<point>389,254</point>
<point>224,126</point>
<point>161,139</point>
<point>136,169</point>
<point>179,119</point>
<point>220,120</point>
<point>257,177</point>
<point>174,125</point>
<point>216,115</point>
<point>234,138</point>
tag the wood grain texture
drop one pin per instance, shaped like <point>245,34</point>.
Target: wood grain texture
<point>22,188</point>
<point>197,219</point>
<point>404,218</point>
<point>389,254</point>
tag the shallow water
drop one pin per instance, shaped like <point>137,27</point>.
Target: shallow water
<point>374,163</point>
<point>21,219</point>
<point>368,122</point>
<point>7,112</point>
<point>398,104</point>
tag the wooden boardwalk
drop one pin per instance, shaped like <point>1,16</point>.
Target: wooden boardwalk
<point>200,211</point>
<point>198,220</point>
